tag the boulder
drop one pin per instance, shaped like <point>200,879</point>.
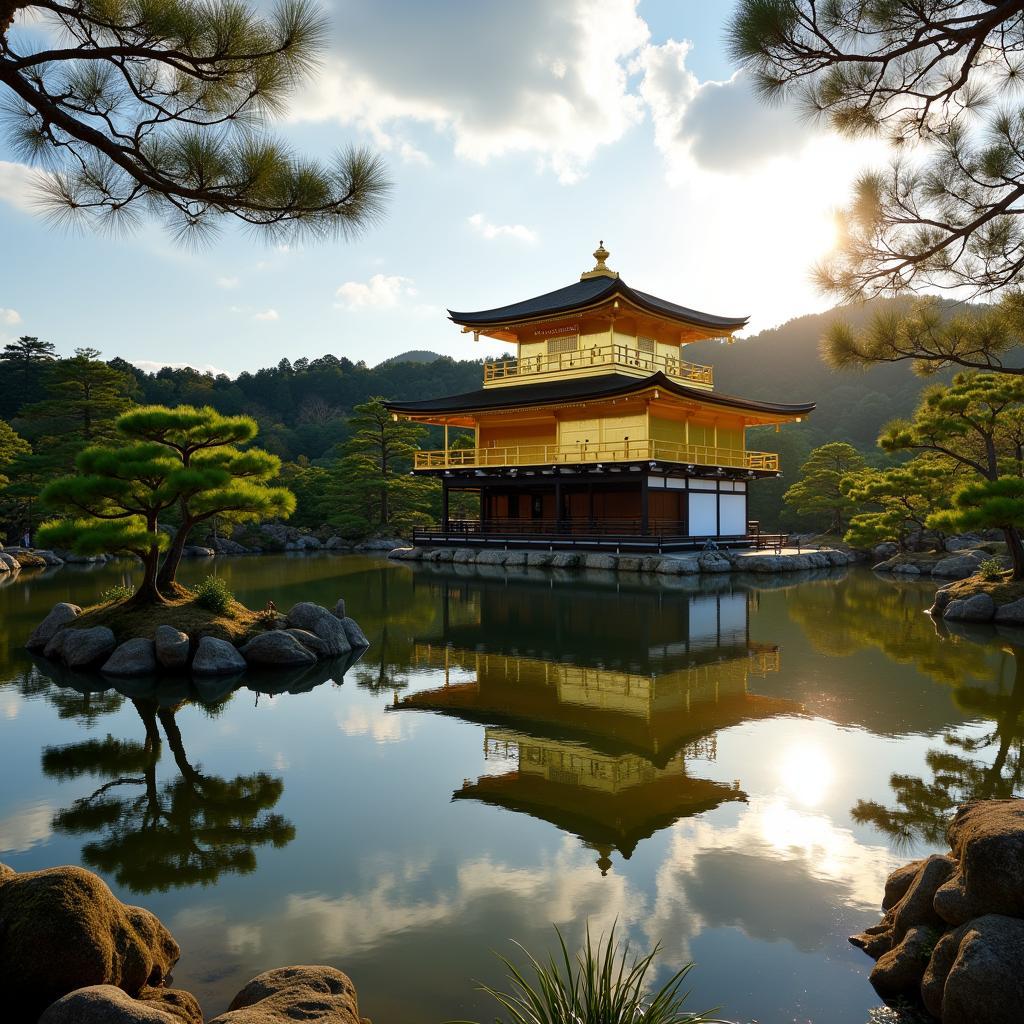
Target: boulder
<point>629,563</point>
<point>196,551</point>
<point>171,646</point>
<point>515,558</point>
<point>975,975</point>
<point>134,657</point>
<point>714,561</point>
<point>84,648</point>
<point>278,648</point>
<point>963,542</point>
<point>539,559</point>
<point>317,995</point>
<point>59,616</point>
<point>407,554</point>
<point>226,546</point>
<point>599,561</point>
<point>463,556</point>
<point>987,839</point>
<point>906,569</point>
<point>216,657</point>
<point>380,544</point>
<point>565,560</point>
<point>887,549</point>
<point>356,637</point>
<point>976,608</point>
<point>320,622</point>
<point>27,559</point>
<point>339,608</point>
<point>960,565</point>
<point>652,563</point>
<point>49,557</point>
<point>309,543</point>
<point>897,884</point>
<point>311,642</point>
<point>337,544</point>
<point>900,971</point>
<point>680,565</point>
<point>107,1004</point>
<point>491,557</point>
<point>54,649</point>
<point>63,930</point>
<point>1011,614</point>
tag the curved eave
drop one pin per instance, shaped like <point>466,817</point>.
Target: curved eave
<point>586,389</point>
<point>586,295</point>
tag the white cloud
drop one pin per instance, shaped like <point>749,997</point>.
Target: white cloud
<point>533,78</point>
<point>228,282</point>
<point>382,291</point>
<point>486,229</point>
<point>267,314</point>
<point>9,316</point>
<point>17,185</point>
<point>26,828</point>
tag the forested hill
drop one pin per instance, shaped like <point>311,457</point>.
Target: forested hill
<point>784,365</point>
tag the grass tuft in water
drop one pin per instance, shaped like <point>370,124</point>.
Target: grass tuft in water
<point>602,984</point>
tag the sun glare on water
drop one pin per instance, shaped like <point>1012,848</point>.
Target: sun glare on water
<point>806,773</point>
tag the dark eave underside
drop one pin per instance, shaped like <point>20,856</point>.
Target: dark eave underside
<point>609,385</point>
<point>586,293</point>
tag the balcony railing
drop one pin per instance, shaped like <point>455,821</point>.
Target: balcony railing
<point>620,451</point>
<point>612,355</point>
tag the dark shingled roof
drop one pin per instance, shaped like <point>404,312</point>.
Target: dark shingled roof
<point>608,385</point>
<point>586,293</point>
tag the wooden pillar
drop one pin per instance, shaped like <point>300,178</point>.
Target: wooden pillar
<point>644,504</point>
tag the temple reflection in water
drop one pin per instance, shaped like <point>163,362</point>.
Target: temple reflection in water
<point>596,731</point>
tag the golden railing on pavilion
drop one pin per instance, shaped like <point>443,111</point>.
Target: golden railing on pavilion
<point>618,451</point>
<point>610,355</point>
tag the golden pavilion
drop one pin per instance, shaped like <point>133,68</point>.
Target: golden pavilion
<point>599,432</point>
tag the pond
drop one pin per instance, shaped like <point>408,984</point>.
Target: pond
<point>728,767</point>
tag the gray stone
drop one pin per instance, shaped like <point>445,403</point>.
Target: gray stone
<point>356,637</point>
<point>629,563</point>
<point>963,542</point>
<point>314,995</point>
<point>311,642</point>
<point>336,544</point>
<point>463,556</point>
<point>680,565</point>
<point>277,647</point>
<point>380,544</point>
<point>885,550</point>
<point>599,561</point>
<point>977,608</point>
<point>899,972</point>
<point>714,561</point>
<point>1012,614</point>
<point>906,569</point>
<point>516,558</point>
<point>339,608</point>
<point>58,617</point>
<point>132,658</point>
<point>652,563</point>
<point>107,1004</point>
<point>54,649</point>
<point>75,559</point>
<point>959,566</point>
<point>9,562</point>
<point>406,554</point>
<point>171,646</point>
<point>226,546</point>
<point>540,559</point>
<point>309,543</point>
<point>196,551</point>
<point>84,648</point>
<point>49,557</point>
<point>566,560</point>
<point>984,983</point>
<point>491,557</point>
<point>319,621</point>
<point>215,657</point>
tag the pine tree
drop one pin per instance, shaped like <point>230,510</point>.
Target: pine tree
<point>819,490</point>
<point>25,361</point>
<point>162,108</point>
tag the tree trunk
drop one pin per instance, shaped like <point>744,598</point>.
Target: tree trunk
<point>166,580</point>
<point>1016,549</point>
<point>148,592</point>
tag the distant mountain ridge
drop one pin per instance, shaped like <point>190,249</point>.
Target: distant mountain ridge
<point>414,355</point>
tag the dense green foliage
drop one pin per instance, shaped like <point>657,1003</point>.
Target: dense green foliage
<point>820,490</point>
<point>213,594</point>
<point>162,108</point>
<point>183,459</point>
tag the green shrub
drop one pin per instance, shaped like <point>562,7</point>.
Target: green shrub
<point>990,569</point>
<point>213,594</point>
<point>601,984</point>
<point>117,593</point>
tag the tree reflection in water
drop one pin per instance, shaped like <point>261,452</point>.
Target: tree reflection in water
<point>983,766</point>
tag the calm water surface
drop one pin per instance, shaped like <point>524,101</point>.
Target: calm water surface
<point>725,768</point>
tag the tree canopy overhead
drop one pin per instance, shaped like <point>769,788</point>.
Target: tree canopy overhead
<point>935,72</point>
<point>160,106</point>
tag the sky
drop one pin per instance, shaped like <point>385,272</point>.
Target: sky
<point>517,136</point>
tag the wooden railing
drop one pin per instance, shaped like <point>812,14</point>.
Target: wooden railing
<point>619,451</point>
<point>611,355</point>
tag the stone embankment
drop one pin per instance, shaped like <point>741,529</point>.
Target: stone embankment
<point>72,953</point>
<point>953,930</point>
<point>307,634</point>
<point>690,564</point>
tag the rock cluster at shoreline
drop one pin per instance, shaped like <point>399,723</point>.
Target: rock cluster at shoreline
<point>953,930</point>
<point>72,953</point>
<point>688,564</point>
<point>306,635</point>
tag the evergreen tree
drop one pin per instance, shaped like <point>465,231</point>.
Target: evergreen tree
<point>215,478</point>
<point>371,490</point>
<point>84,398</point>
<point>977,423</point>
<point>11,448</point>
<point>819,491</point>
<point>925,73</point>
<point>161,107</point>
<point>24,363</point>
<point>907,496</point>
